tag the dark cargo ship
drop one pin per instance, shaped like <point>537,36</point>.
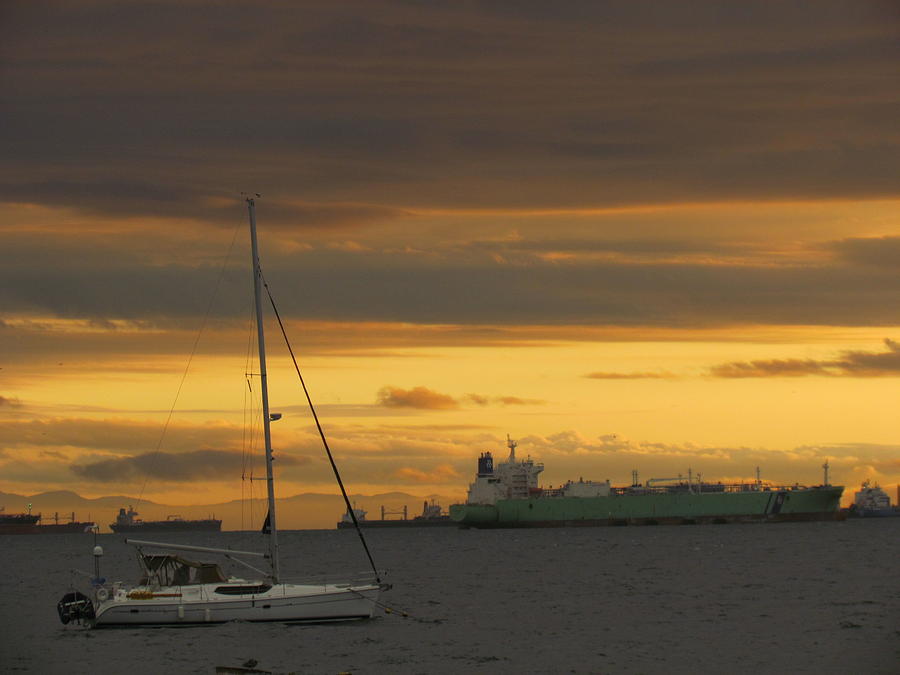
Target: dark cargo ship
<point>18,523</point>
<point>508,495</point>
<point>432,516</point>
<point>127,523</point>
<point>31,523</point>
<point>65,527</point>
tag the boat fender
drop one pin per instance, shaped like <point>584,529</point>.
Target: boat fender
<point>102,594</point>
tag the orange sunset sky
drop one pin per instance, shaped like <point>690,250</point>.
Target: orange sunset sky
<point>633,235</point>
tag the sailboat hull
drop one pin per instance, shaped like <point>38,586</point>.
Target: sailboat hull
<point>287,603</point>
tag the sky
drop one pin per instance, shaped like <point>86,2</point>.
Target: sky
<point>632,235</point>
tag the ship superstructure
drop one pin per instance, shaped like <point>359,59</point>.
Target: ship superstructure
<point>512,479</point>
<point>871,501</point>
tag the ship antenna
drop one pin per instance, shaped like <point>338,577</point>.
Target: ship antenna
<point>825,466</point>
<point>511,444</point>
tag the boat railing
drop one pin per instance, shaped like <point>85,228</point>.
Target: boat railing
<point>703,488</point>
<point>681,487</point>
<point>366,578</point>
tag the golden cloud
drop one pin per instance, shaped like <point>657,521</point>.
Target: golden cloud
<point>418,397</point>
<point>443,473</point>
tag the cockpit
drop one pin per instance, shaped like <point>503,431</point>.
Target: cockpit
<point>166,569</point>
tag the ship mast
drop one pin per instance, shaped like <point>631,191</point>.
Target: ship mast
<point>511,444</point>
<point>270,483</point>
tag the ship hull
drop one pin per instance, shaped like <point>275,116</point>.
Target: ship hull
<point>66,528</point>
<point>19,528</point>
<point>444,521</point>
<point>20,523</point>
<point>168,526</point>
<point>654,509</point>
<point>875,513</point>
<point>201,605</point>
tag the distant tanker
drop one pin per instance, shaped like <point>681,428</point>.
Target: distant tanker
<point>507,495</point>
<point>126,523</point>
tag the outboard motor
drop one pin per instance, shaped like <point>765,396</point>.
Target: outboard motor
<point>75,606</point>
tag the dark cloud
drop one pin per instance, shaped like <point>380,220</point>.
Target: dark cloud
<point>594,292</point>
<point>10,402</point>
<point>851,363</point>
<point>370,114</point>
<point>771,368</point>
<point>114,435</point>
<point>881,252</point>
<point>210,465</point>
<point>763,61</point>
<point>172,199</point>
<point>438,287</point>
<point>167,103</point>
<point>519,250</point>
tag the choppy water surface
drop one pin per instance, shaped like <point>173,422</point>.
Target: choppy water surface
<point>792,597</point>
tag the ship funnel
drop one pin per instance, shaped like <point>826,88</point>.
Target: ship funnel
<point>485,464</point>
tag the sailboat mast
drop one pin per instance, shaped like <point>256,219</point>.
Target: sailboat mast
<point>261,341</point>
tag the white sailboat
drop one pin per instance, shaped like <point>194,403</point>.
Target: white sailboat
<point>177,590</point>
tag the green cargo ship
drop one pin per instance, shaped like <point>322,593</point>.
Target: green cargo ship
<point>508,496</point>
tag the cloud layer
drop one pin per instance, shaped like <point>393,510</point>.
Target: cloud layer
<point>423,398</point>
<point>851,363</point>
<point>399,103</point>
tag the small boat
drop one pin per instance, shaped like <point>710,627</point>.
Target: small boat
<point>175,589</point>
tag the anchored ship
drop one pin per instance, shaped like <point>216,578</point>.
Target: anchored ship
<point>33,523</point>
<point>71,526</point>
<point>126,523</point>
<point>19,523</point>
<point>432,516</point>
<point>508,495</point>
<point>872,502</point>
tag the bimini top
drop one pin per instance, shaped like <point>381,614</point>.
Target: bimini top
<point>168,569</point>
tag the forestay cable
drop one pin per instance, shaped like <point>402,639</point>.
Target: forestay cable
<point>312,409</point>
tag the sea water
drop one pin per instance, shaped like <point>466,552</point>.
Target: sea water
<point>788,597</point>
